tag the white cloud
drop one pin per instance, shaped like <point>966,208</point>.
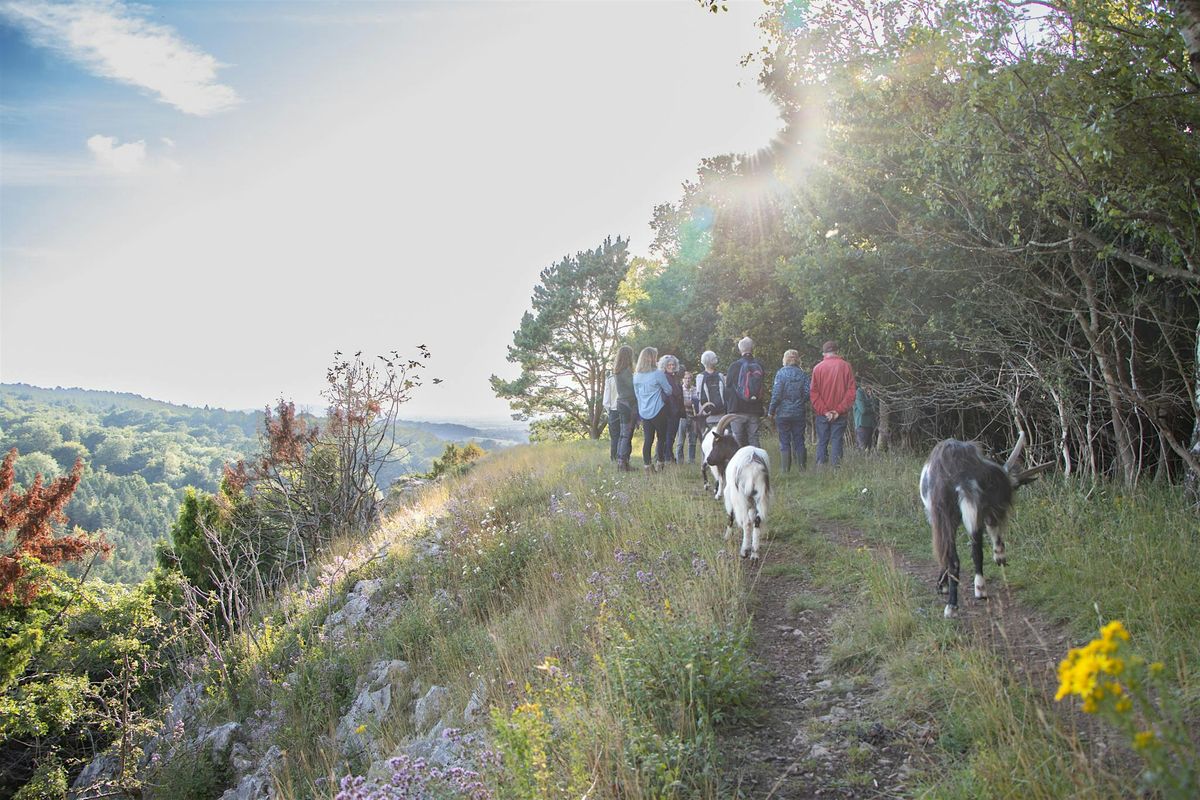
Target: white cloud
<point>111,40</point>
<point>113,157</point>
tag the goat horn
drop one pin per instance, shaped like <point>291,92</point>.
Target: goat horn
<point>723,423</point>
<point>1016,453</point>
<point>1030,475</point>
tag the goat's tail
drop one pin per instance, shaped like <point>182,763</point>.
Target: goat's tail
<point>943,537</point>
<point>723,424</point>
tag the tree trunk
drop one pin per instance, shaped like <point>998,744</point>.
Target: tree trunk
<point>885,425</point>
<point>1192,480</point>
<point>1188,14</point>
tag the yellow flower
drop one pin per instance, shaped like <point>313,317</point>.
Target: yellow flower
<point>1113,630</point>
<point>1143,739</point>
<point>1156,667</point>
<point>360,729</point>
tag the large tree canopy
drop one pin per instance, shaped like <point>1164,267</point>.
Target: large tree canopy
<point>991,206</point>
<point>567,340</point>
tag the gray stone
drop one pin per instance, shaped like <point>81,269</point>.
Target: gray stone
<point>819,751</point>
<point>104,767</point>
<point>354,611</point>
<point>379,689</point>
<point>430,708</point>
<point>259,784</point>
<point>475,711</point>
<point>219,741</point>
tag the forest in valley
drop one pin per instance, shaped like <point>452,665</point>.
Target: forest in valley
<point>141,455</point>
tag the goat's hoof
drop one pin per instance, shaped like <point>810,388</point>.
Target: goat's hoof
<point>980,588</point>
<point>1000,560</point>
<point>754,556</point>
<point>951,612</point>
<point>744,554</point>
<point>981,594</point>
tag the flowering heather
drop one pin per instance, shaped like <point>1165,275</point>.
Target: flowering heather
<point>417,779</point>
<point>625,558</point>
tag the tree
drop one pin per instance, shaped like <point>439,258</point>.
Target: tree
<point>567,341</point>
<point>29,518</point>
<point>456,459</point>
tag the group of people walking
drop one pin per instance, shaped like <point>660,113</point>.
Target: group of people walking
<point>676,408</point>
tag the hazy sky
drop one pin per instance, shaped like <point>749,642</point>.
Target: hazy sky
<point>200,202</point>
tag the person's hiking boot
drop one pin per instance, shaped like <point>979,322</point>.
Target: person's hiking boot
<point>787,460</point>
<point>622,465</point>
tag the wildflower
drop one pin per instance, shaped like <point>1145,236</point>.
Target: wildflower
<point>1143,740</point>
<point>1114,630</point>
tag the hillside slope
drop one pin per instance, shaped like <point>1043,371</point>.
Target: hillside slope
<point>544,626</point>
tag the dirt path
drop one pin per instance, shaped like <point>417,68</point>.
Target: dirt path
<point>817,736</point>
<point>1030,645</point>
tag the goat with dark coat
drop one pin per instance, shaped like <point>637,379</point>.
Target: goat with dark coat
<point>959,485</point>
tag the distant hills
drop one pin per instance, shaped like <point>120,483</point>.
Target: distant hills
<point>141,453</point>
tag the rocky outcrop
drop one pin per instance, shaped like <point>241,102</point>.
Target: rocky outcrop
<point>380,692</point>
<point>387,698</point>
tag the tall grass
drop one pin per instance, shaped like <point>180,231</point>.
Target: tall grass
<point>600,610</point>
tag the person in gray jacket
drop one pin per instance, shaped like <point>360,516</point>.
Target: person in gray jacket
<point>789,409</point>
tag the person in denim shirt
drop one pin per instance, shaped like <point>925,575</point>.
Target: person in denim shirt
<point>651,386</point>
<point>789,409</point>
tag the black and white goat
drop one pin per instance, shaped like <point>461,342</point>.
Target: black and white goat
<point>958,484</point>
<point>747,494</point>
<point>717,447</point>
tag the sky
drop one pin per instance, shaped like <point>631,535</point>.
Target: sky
<point>201,201</point>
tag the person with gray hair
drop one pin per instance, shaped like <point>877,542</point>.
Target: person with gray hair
<point>711,388</point>
<point>744,388</point>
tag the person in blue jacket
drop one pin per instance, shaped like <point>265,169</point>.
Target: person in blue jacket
<point>789,409</point>
<point>652,388</point>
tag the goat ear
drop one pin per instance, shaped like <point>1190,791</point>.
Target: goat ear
<point>1030,475</point>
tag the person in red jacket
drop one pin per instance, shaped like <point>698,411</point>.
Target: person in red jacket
<point>832,395</point>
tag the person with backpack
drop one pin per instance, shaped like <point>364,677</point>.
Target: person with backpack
<point>789,409</point>
<point>744,388</point>
<point>832,395</point>
<point>711,389</point>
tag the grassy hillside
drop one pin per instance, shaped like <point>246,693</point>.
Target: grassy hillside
<point>602,620</point>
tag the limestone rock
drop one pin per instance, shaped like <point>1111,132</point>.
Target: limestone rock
<point>379,690</point>
<point>257,785</point>
<point>430,708</point>
<point>476,709</point>
<point>354,611</point>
